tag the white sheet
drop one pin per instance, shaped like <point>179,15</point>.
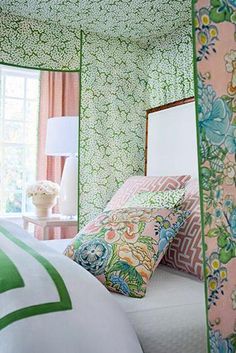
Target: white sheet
<point>171,315</point>
<point>171,318</point>
<point>57,244</point>
<point>49,304</point>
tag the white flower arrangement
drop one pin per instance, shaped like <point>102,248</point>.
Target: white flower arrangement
<point>43,187</point>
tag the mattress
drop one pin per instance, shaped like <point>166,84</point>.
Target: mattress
<point>171,317</point>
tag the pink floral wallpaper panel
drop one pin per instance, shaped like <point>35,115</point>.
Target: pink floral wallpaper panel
<point>215,28</point>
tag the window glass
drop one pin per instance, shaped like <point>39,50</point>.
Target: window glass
<point>19,109</point>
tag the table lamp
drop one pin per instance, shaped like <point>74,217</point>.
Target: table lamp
<point>62,140</point>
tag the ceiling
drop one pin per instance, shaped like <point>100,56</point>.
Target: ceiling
<point>133,19</point>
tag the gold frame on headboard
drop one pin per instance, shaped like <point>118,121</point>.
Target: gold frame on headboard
<point>157,109</point>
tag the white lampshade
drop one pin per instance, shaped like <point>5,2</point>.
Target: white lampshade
<point>62,136</point>
<point>62,140</point>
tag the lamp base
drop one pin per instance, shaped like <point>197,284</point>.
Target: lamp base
<point>68,200</point>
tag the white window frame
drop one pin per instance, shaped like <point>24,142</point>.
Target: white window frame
<point>26,74</point>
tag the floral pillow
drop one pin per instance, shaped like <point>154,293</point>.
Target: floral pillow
<point>162,199</point>
<point>123,247</point>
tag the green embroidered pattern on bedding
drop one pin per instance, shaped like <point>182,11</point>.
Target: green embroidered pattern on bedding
<point>10,277</point>
<point>161,199</point>
<point>64,302</point>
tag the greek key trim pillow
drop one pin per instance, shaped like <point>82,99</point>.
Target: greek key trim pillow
<point>185,252</point>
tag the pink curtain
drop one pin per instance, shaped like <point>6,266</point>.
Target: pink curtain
<point>59,96</point>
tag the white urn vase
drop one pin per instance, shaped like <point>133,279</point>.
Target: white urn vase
<point>44,204</point>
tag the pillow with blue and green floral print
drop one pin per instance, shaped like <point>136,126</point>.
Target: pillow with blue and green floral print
<point>161,199</point>
<point>123,247</point>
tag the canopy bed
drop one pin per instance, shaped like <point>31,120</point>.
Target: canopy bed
<point>174,305</point>
<point>118,56</point>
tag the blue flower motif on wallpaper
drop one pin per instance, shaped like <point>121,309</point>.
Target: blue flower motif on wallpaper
<point>230,141</point>
<point>207,33</point>
<point>214,114</point>
<point>93,256</point>
<point>232,222</point>
<point>219,344</point>
<point>232,3</point>
<point>205,99</point>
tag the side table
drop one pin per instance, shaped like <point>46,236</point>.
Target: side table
<point>56,220</point>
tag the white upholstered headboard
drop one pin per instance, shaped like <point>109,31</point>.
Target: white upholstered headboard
<point>171,141</point>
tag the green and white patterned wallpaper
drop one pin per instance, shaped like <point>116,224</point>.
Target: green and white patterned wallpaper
<point>113,102</point>
<point>130,19</point>
<point>120,80</point>
<point>170,67</point>
<point>45,45</point>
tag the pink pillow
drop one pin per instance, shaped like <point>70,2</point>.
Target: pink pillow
<point>123,247</point>
<point>185,252</point>
<point>137,184</point>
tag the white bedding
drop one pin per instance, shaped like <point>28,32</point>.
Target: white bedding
<point>171,318</point>
<point>49,304</point>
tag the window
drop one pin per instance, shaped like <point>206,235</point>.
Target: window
<point>19,109</point>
